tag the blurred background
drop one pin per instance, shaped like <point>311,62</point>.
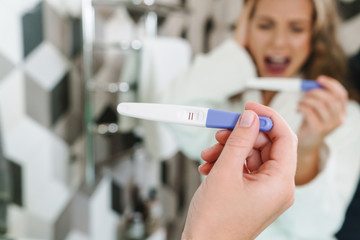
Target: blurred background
<point>71,168</point>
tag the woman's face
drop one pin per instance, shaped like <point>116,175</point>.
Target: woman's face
<point>280,36</point>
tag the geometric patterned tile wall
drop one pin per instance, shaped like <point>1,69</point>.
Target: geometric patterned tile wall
<point>41,94</point>
<point>39,101</point>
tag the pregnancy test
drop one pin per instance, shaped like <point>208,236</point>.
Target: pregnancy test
<point>282,84</point>
<point>194,116</point>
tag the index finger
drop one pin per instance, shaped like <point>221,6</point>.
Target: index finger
<point>284,147</point>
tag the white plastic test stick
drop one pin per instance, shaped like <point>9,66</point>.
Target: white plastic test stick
<point>282,84</point>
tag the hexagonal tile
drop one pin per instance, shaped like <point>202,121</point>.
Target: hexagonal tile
<point>5,66</point>
<point>32,27</point>
<point>11,45</point>
<point>47,84</point>
<point>12,91</point>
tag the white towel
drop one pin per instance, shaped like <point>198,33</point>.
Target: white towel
<point>161,60</point>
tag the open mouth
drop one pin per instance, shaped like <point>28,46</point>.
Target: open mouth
<point>276,65</point>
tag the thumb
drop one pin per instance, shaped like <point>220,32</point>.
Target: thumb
<point>240,142</point>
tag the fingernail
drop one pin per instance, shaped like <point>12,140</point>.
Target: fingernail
<point>201,166</point>
<point>322,78</point>
<point>247,118</point>
<point>207,149</point>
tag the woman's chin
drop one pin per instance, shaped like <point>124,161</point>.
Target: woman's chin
<point>275,75</point>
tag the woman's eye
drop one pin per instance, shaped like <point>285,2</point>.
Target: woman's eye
<point>264,26</point>
<point>297,29</point>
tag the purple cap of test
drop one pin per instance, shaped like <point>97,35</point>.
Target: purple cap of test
<point>307,85</point>
<point>228,120</point>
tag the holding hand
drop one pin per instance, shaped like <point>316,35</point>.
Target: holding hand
<point>250,182</point>
<point>324,110</point>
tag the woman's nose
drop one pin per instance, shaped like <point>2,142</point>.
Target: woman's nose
<point>280,38</point>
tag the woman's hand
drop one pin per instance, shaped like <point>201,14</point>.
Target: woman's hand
<point>251,180</point>
<point>324,110</point>
<point>242,24</point>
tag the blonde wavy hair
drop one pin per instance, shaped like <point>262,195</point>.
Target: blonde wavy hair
<point>327,56</point>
